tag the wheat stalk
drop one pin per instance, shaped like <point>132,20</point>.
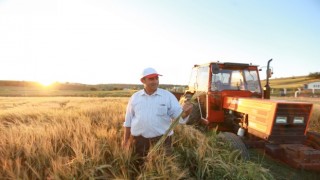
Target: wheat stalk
<point>165,135</point>
<point>175,122</point>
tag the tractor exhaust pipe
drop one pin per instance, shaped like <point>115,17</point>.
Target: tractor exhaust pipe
<point>266,89</point>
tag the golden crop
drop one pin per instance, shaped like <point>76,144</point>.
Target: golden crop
<point>80,138</point>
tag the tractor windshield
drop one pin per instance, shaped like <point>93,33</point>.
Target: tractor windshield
<point>230,79</point>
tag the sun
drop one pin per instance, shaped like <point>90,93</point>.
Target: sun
<point>46,83</point>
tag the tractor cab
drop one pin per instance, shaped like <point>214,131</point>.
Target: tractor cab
<point>214,81</point>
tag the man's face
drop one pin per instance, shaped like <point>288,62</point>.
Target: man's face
<point>151,84</point>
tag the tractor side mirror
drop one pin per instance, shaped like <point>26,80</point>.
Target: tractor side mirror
<point>215,68</point>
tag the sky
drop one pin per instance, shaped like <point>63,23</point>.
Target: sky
<point>112,41</point>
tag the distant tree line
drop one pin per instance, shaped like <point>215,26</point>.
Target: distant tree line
<point>314,75</point>
<point>18,83</point>
<point>81,87</point>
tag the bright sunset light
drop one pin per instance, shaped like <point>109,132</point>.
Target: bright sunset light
<point>46,83</point>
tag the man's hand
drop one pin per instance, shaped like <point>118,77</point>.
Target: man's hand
<point>187,109</point>
<point>126,145</point>
<point>126,138</point>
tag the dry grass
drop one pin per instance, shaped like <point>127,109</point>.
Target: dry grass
<point>58,138</point>
<point>290,82</point>
<point>314,124</point>
<point>80,138</point>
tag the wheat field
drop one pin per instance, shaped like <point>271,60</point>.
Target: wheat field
<point>80,138</point>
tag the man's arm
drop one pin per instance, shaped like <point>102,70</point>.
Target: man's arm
<point>126,136</point>
<point>176,109</point>
<point>127,124</point>
<point>187,109</point>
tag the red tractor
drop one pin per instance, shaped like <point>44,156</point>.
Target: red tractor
<point>229,97</point>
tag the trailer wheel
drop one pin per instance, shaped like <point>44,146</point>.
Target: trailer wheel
<point>236,143</point>
<point>195,116</point>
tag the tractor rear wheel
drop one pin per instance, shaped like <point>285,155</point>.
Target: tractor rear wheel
<point>236,143</point>
<point>195,116</point>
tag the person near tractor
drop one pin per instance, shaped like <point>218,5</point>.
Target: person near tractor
<point>149,114</point>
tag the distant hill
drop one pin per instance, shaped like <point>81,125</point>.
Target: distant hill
<point>276,84</point>
<point>78,86</point>
<point>293,82</point>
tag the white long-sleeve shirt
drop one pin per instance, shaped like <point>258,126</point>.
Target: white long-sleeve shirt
<point>151,115</point>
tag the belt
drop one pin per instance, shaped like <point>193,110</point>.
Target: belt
<point>153,139</point>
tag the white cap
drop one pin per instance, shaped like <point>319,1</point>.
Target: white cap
<point>149,72</point>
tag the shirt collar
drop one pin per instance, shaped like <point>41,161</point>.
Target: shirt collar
<point>157,92</point>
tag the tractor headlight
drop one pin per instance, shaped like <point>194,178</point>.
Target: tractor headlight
<point>298,120</point>
<point>281,120</point>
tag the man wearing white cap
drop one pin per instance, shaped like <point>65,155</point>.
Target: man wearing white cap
<point>149,114</point>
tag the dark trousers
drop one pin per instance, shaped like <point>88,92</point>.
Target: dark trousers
<point>142,145</point>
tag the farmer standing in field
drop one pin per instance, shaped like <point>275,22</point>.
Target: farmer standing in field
<point>149,114</point>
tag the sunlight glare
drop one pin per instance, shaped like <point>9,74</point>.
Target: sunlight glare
<point>46,83</point>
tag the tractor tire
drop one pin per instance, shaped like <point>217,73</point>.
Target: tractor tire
<point>195,116</point>
<point>236,143</point>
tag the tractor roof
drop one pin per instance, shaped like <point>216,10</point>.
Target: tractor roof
<point>227,64</point>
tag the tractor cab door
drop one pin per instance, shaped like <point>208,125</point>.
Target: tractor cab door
<point>198,85</point>
<point>193,85</point>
